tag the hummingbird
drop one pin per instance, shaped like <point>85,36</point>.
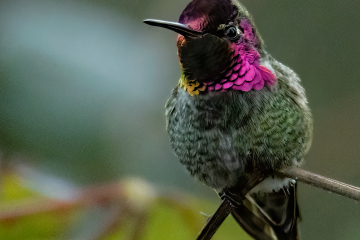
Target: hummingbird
<point>237,116</point>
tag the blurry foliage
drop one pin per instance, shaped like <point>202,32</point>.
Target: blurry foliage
<point>133,210</point>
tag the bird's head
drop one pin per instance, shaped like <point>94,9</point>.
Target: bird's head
<point>219,47</point>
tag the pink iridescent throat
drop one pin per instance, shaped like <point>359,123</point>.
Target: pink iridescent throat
<point>245,73</point>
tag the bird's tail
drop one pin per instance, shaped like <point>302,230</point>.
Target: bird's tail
<point>270,216</point>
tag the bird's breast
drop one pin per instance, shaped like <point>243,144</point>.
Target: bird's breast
<point>220,136</point>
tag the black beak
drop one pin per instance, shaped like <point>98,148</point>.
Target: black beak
<point>182,29</point>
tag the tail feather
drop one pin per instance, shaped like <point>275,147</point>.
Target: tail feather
<point>253,225</point>
<point>270,216</point>
<point>281,211</point>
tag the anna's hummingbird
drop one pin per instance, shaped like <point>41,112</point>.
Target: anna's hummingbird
<point>237,114</point>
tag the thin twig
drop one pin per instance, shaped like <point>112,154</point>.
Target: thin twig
<point>322,182</point>
<point>215,220</point>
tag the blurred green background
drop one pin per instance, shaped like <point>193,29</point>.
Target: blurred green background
<point>83,86</point>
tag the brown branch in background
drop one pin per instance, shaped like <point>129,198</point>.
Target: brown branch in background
<point>33,207</point>
<point>322,182</point>
<point>88,197</point>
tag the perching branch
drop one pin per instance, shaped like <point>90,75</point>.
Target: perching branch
<point>322,182</point>
<point>215,221</point>
<point>296,173</point>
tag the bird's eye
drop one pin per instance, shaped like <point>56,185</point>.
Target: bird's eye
<point>231,32</point>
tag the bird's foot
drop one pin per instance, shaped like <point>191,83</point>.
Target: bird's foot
<point>234,199</point>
